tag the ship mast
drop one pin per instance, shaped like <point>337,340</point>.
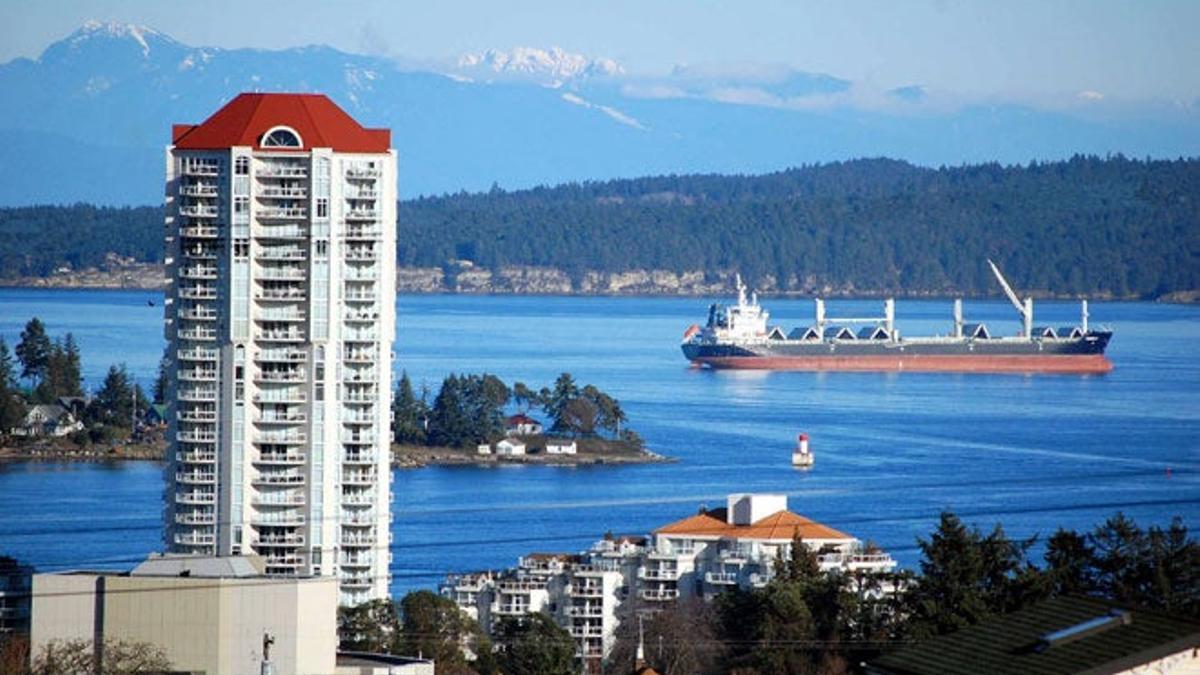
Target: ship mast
<point>1024,309</point>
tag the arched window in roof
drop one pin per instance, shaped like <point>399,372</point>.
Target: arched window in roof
<point>281,137</point>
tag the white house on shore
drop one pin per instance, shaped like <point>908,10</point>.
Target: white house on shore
<point>510,447</point>
<point>561,448</point>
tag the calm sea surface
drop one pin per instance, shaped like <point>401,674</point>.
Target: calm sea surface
<point>893,450</point>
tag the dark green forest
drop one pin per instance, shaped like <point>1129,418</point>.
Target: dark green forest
<point>1088,225</point>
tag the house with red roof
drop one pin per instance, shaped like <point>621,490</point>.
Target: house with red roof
<point>522,425</point>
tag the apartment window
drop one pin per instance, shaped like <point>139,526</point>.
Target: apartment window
<point>241,205</point>
<point>241,250</point>
<point>241,166</point>
<point>322,207</point>
<point>321,249</point>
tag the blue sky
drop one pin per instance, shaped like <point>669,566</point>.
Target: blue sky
<point>1009,50</point>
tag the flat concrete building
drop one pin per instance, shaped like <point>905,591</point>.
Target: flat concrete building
<point>209,615</point>
<point>280,317</point>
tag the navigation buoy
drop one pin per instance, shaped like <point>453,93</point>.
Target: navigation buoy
<point>802,456</point>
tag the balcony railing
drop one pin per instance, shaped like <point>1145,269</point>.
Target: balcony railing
<point>283,213</point>
<point>194,477</point>
<point>200,231</point>
<point>290,458</point>
<point>274,191</point>
<point>279,479</point>
<point>195,497</point>
<point>195,539</point>
<point>195,457</point>
<point>198,211</point>
<point>659,594</point>
<point>282,171</point>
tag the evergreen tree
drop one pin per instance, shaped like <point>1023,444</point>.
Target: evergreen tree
<point>448,423</point>
<point>555,401</point>
<point>114,404</point>
<point>8,375</point>
<point>62,375</point>
<point>1070,564</point>
<point>370,627</point>
<point>950,591</point>
<point>33,351</point>
<point>436,628</point>
<point>409,413</point>
<point>535,645</point>
<point>161,379</point>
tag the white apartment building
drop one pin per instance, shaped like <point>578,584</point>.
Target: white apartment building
<point>699,556</point>
<point>280,316</point>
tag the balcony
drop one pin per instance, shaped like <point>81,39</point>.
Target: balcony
<point>280,376</point>
<point>586,611</point>
<point>365,540</point>
<point>277,500</point>
<point>195,457</point>
<point>199,231</point>
<point>198,190</point>
<point>356,580</point>
<point>510,609</point>
<point>358,478</point>
<point>280,396</point>
<point>361,214</point>
<point>358,499</point>
<point>359,357</point>
<point>359,439</point>
<point>360,458</point>
<point>199,253</point>
<point>282,274</point>
<point>279,479</point>
<point>291,418</point>
<point>283,355</point>
<point>198,211</point>
<point>282,171</point>
<point>198,333</point>
<point>195,518</point>
<point>658,573</point>
<point>353,232</point>
<point>659,594</point>
<point>281,295</point>
<point>200,168</point>
<point>195,477</point>
<point>198,314</point>
<point>279,336</point>
<point>360,335</point>
<point>284,519</point>
<point>197,354</point>
<point>287,560</point>
<point>196,437</point>
<point>197,395</point>
<point>721,578</point>
<point>584,631</point>
<point>586,591</point>
<point>359,297</point>
<point>282,315</point>
<point>282,192</point>
<point>363,316</point>
<point>357,561</point>
<point>281,439</point>
<point>197,293</point>
<point>195,539</point>
<point>280,540</point>
<point>195,498</point>
<point>282,213</point>
<point>286,233</point>
<point>198,272</point>
<point>197,375</point>
<point>358,518</point>
<point>362,172</point>
<point>276,253</point>
<point>283,458</point>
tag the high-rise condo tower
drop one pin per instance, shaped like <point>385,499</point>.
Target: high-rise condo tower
<point>280,317</point>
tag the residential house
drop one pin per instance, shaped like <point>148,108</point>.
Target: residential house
<point>559,447</point>
<point>510,447</point>
<point>522,425</point>
<point>47,419</point>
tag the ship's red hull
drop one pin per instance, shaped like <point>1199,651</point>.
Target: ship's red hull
<point>1082,363</point>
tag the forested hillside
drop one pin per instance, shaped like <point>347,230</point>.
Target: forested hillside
<point>1094,226</point>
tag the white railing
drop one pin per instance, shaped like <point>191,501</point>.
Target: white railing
<point>281,458</point>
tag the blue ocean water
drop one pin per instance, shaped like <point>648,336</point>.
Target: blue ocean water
<point>1032,453</point>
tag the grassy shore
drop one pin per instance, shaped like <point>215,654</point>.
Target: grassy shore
<point>591,451</point>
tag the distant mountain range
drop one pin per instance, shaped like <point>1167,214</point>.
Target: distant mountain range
<point>88,120</point>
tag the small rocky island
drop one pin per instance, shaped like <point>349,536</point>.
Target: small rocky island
<point>466,424</point>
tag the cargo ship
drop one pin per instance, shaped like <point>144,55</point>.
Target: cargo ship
<point>738,336</point>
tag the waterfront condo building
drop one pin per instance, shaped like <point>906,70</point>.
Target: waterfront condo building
<point>280,317</point>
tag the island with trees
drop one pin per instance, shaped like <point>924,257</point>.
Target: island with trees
<point>468,414</point>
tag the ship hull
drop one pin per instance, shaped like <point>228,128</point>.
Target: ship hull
<point>1083,355</point>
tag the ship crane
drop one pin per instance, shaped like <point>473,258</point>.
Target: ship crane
<point>1024,309</point>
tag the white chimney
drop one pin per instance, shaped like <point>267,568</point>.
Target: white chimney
<point>747,509</point>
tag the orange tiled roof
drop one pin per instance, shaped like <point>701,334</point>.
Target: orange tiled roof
<point>779,525</point>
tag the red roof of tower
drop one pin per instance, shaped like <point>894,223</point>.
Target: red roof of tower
<point>244,120</point>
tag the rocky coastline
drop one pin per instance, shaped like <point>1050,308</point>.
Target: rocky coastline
<point>527,280</point>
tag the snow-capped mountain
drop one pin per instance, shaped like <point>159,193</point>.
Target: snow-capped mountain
<point>552,67</point>
<point>89,118</point>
